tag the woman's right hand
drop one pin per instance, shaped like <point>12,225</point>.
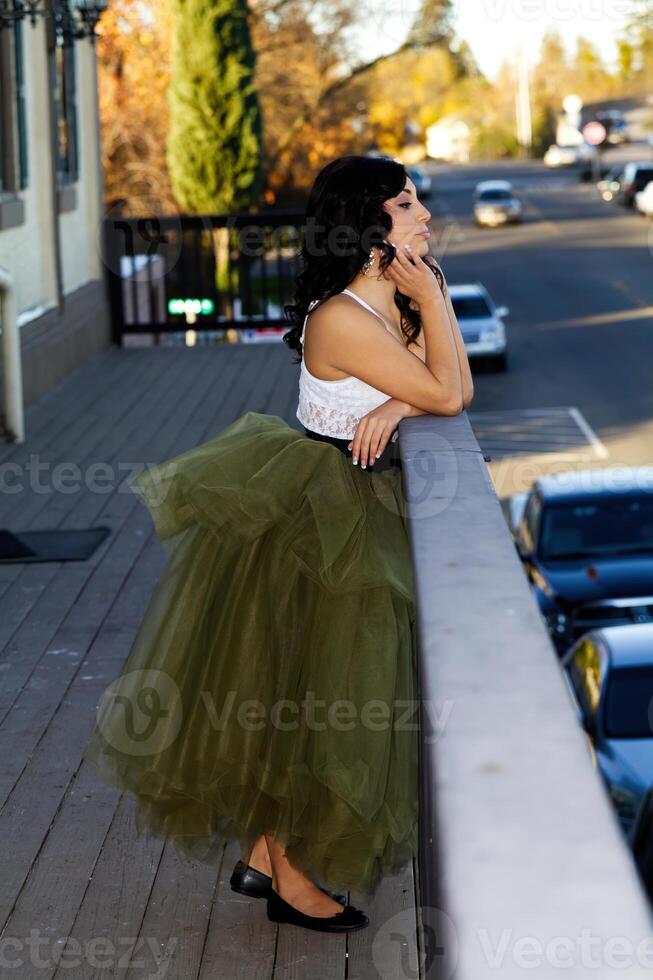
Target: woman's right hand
<point>413,278</point>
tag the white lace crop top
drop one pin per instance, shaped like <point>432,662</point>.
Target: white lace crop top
<point>334,408</point>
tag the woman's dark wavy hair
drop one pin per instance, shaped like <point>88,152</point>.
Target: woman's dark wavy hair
<point>344,219</point>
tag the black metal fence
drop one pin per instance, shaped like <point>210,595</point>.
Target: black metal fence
<point>200,272</point>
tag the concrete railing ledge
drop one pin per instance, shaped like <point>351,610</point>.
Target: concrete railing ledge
<point>524,871</point>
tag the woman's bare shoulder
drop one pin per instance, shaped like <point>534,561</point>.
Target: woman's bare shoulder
<point>339,301</point>
<point>330,310</point>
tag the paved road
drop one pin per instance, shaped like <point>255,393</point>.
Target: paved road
<point>577,275</point>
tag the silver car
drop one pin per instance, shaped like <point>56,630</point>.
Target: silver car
<point>495,203</point>
<point>481,323</point>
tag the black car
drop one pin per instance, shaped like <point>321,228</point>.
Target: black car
<point>615,125</point>
<point>635,178</point>
<point>586,541</point>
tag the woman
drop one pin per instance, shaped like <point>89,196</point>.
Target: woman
<point>265,696</point>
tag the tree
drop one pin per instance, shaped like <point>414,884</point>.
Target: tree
<point>433,24</point>
<point>626,60</point>
<point>639,36</point>
<point>336,73</point>
<point>214,142</point>
<point>133,52</point>
<point>588,76</point>
<point>551,71</point>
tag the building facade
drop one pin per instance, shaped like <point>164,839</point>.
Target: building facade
<point>51,191</point>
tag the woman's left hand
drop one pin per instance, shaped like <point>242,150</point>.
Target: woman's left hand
<point>374,431</point>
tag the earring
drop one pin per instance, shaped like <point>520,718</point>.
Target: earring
<point>369,262</point>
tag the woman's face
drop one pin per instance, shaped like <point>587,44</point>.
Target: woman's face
<point>409,219</point>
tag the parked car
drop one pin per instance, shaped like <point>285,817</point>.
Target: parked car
<point>568,155</point>
<point>635,178</point>
<point>481,323</point>
<point>495,203</point>
<point>615,125</point>
<point>586,541</point>
<point>421,180</point>
<point>561,156</point>
<point>610,677</point>
<point>608,186</point>
<point>644,200</point>
<point>640,838</point>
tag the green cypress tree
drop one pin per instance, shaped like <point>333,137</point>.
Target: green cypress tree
<point>214,148</point>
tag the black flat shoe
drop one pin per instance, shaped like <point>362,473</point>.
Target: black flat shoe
<point>255,884</point>
<point>249,881</point>
<point>346,921</point>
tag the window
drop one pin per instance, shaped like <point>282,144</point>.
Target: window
<point>470,308</point>
<point>21,115</point>
<point>629,702</point>
<point>600,526</point>
<point>495,195</point>
<point>65,99</point>
<point>529,526</point>
<point>13,120</point>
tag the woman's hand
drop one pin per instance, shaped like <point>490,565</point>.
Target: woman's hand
<point>374,430</point>
<point>413,278</point>
<point>437,265</point>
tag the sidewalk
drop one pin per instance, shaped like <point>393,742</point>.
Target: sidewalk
<point>72,865</point>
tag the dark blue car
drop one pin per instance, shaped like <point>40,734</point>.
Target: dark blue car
<point>586,541</point>
<point>610,675</point>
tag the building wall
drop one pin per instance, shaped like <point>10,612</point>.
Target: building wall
<point>56,339</point>
<point>26,250</point>
<point>80,227</point>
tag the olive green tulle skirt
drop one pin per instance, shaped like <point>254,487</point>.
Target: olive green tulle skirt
<point>272,683</point>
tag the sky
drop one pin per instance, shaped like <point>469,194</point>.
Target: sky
<point>496,29</point>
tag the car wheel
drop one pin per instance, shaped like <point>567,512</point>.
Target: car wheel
<point>500,362</point>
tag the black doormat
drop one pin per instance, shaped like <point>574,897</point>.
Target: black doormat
<point>60,545</point>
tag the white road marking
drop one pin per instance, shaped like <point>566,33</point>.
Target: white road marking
<point>561,432</point>
<point>592,438</point>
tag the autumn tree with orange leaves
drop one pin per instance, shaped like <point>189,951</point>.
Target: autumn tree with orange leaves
<point>134,73</point>
<point>316,87</point>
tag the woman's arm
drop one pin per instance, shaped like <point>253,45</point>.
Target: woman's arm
<point>409,411</point>
<point>351,340</point>
<point>463,360</point>
<point>467,384</point>
<point>404,409</point>
<point>359,347</point>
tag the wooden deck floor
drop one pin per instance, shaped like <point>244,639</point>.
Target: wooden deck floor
<point>80,895</point>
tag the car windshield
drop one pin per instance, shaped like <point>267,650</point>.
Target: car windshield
<point>470,307</point>
<point>620,525</point>
<point>628,700</point>
<point>494,195</point>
